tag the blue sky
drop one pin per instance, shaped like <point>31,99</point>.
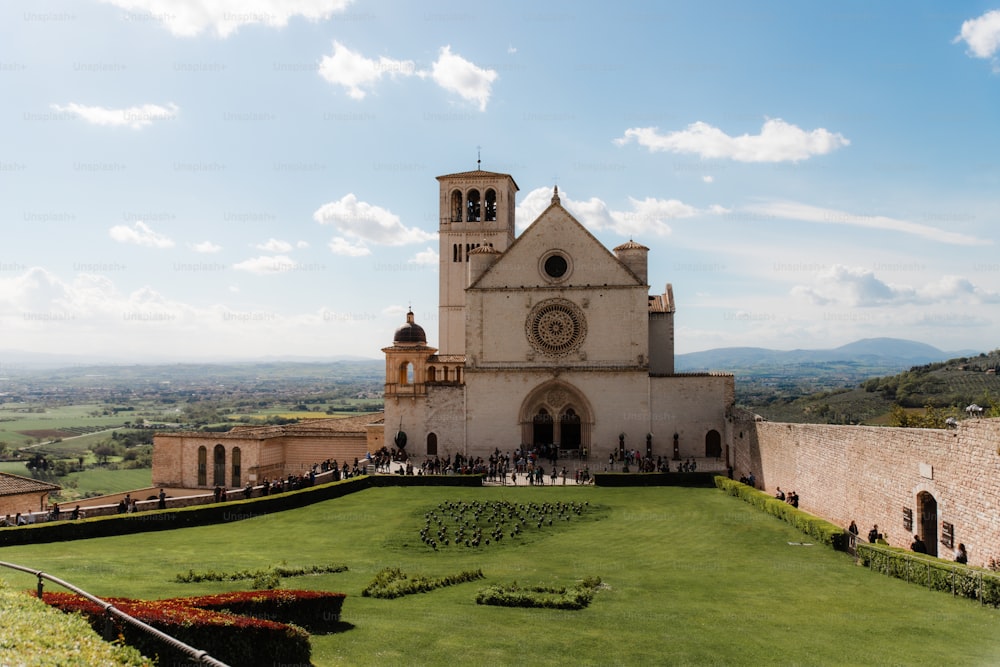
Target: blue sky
<point>203,179</point>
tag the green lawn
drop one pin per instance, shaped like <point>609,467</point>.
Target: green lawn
<point>692,577</point>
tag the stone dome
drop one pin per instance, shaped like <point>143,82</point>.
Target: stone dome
<point>410,332</point>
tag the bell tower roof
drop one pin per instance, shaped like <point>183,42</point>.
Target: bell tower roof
<point>410,333</point>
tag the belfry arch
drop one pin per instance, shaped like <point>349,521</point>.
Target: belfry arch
<point>559,413</point>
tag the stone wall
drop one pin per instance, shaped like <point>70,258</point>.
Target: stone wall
<point>872,475</point>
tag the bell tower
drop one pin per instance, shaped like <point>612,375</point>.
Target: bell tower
<point>477,209</point>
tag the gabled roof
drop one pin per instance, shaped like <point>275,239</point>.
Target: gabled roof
<point>531,229</point>
<point>12,485</point>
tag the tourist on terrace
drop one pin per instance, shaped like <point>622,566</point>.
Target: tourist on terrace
<point>918,545</point>
<point>961,556</point>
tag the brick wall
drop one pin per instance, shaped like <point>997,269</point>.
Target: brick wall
<point>871,474</point>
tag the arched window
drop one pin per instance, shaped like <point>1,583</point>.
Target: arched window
<point>431,374</point>
<point>432,444</point>
<point>456,206</point>
<point>202,466</point>
<point>219,472</point>
<point>472,207</point>
<point>406,373</point>
<point>237,460</point>
<point>491,204</point>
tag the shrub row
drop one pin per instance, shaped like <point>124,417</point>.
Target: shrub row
<point>934,573</point>
<point>819,529</point>
<point>269,575</point>
<point>699,479</point>
<point>252,638</point>
<point>391,582</point>
<point>512,595</point>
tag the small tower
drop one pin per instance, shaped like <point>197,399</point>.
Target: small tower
<point>635,257</point>
<point>406,361</point>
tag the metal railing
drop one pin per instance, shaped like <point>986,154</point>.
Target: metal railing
<point>110,611</point>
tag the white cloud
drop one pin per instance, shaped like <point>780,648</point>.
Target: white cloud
<point>428,257</point>
<point>367,222</point>
<point>275,245</point>
<point>355,72</point>
<point>187,18</point>
<point>140,234</point>
<point>206,247</point>
<point>778,141</point>
<point>266,265</point>
<point>805,212</point>
<point>134,117</point>
<point>341,246</point>
<point>456,74</point>
<point>707,179</point>
<point>859,287</point>
<point>301,244</point>
<point>646,217</point>
<point>982,35</point>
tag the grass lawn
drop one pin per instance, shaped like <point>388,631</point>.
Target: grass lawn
<point>98,481</point>
<point>691,576</point>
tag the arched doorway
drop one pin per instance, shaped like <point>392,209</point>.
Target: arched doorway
<point>432,444</point>
<point>928,513</point>
<point>713,445</point>
<point>569,429</point>
<point>219,472</point>
<point>556,413</point>
<point>543,431</point>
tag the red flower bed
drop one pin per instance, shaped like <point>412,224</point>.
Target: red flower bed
<point>316,611</point>
<point>251,634</point>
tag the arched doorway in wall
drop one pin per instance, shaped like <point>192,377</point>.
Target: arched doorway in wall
<point>219,472</point>
<point>928,516</point>
<point>556,413</point>
<point>432,444</point>
<point>569,429</point>
<point>713,445</point>
<point>543,429</point>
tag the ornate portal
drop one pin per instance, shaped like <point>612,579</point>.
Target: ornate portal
<point>556,327</point>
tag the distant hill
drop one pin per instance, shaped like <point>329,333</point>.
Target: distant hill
<point>895,353</point>
<point>948,386</point>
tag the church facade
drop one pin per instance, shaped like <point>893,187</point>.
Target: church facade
<point>546,340</point>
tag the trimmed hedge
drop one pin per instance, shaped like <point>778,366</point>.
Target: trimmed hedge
<point>391,582</point>
<point>933,573</point>
<point>215,513</point>
<point>819,529</point>
<point>264,578</point>
<point>653,478</point>
<point>544,597</point>
<point>316,611</point>
<point>231,638</point>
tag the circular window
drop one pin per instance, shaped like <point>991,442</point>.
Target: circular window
<point>556,327</point>
<point>555,266</point>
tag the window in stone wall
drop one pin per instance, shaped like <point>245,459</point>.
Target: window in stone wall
<point>908,519</point>
<point>948,534</point>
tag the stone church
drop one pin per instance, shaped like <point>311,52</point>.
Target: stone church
<point>545,339</point>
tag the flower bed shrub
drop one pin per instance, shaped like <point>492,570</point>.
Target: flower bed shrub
<point>230,637</point>
<point>819,529</point>
<point>391,582</point>
<point>934,573</point>
<point>512,595</point>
